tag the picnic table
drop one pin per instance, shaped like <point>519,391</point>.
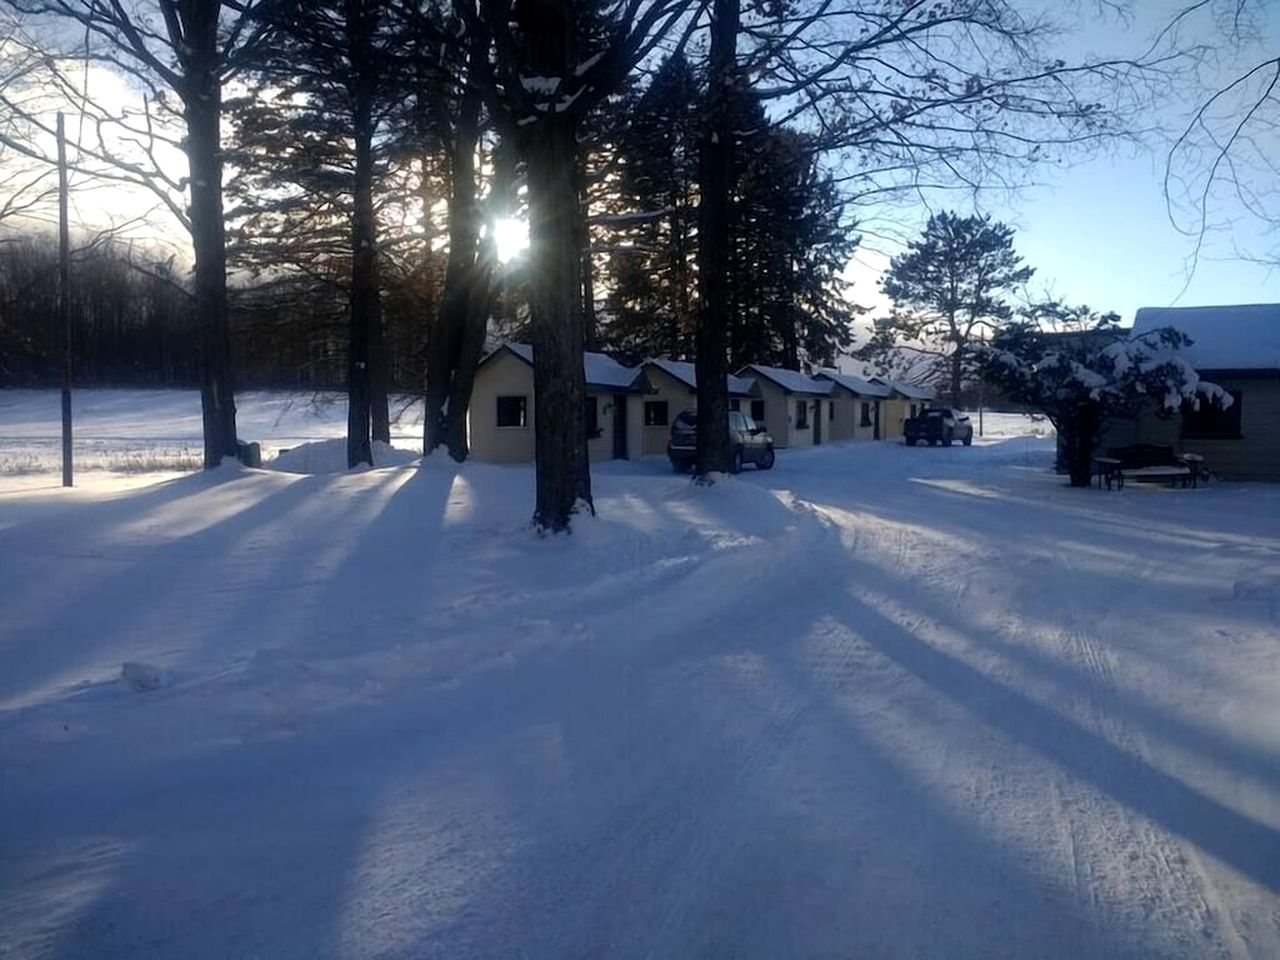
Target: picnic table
<point>1147,463</point>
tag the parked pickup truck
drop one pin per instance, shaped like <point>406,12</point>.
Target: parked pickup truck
<point>939,425</point>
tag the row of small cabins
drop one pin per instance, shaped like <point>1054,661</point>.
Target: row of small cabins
<point>630,409</point>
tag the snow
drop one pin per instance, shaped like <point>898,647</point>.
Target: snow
<point>856,385</point>
<point>1238,337</point>
<point>909,390</point>
<point>130,432</point>
<point>330,456</point>
<point>877,702</point>
<point>790,380</point>
<point>600,370</point>
<point>687,373</point>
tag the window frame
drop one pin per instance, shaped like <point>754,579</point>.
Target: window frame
<point>757,405</point>
<point>802,415</point>
<point>591,416</point>
<point>1233,415</point>
<point>666,412</point>
<point>523,398</point>
<point>864,418</point>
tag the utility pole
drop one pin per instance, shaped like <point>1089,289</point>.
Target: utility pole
<point>64,311</point>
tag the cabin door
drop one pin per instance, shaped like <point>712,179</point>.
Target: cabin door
<point>620,427</point>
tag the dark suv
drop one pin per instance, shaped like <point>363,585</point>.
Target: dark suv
<point>939,425</point>
<point>750,443</point>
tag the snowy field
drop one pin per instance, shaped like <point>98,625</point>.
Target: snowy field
<point>877,702</point>
<point>130,436</point>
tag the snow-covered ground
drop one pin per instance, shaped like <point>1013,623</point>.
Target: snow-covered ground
<point>141,433</point>
<point>877,702</point>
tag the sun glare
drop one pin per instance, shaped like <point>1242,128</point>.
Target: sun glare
<point>512,238</point>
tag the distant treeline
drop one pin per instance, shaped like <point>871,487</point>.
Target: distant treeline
<point>133,324</point>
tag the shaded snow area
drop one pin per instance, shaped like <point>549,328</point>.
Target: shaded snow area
<point>876,702</point>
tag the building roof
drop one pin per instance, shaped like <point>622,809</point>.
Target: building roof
<point>1238,337</point>
<point>855,385</point>
<point>601,371</point>
<point>686,373</point>
<point>911,391</point>
<point>792,381</point>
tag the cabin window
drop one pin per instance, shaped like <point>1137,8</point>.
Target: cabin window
<point>802,414</point>
<point>866,415</point>
<point>655,413</point>
<point>831,411</point>
<point>735,404</point>
<point>592,415</point>
<point>915,410</point>
<point>513,411</point>
<point>1211,422</point>
<point>757,411</point>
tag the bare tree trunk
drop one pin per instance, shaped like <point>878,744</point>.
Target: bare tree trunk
<point>956,374</point>
<point>367,414</point>
<point>590,333</point>
<point>364,334</point>
<point>1080,436</point>
<point>379,375</point>
<point>480,299</point>
<point>555,302</point>
<point>202,105</point>
<point>715,164</point>
<point>445,346</point>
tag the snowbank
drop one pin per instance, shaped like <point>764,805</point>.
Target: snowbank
<point>330,456</point>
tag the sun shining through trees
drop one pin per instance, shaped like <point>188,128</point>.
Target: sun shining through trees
<point>511,235</point>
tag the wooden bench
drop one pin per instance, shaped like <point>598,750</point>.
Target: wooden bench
<point>1147,463</point>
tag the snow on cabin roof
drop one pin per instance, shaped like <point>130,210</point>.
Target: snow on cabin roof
<point>1238,337</point>
<point>855,385</point>
<point>911,391</point>
<point>792,381</point>
<point>600,370</point>
<point>687,373</point>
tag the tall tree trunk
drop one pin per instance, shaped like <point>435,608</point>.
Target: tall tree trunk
<point>365,303</point>
<point>479,305</point>
<point>555,305</point>
<point>956,378</point>
<point>379,375</point>
<point>202,106</point>
<point>590,333</point>
<point>715,165</point>
<point>1080,436</point>
<point>444,348</point>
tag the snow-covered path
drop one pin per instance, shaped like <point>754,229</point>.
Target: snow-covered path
<point>878,702</point>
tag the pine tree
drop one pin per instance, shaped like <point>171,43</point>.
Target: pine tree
<point>949,292</point>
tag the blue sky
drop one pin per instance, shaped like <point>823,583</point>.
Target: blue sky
<point>1098,231</point>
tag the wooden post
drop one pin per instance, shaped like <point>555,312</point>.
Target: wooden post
<point>64,311</point>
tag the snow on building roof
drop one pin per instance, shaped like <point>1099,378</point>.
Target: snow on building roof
<point>911,391</point>
<point>687,373</point>
<point>792,381</point>
<point>1238,337</point>
<point>855,385</point>
<point>600,370</point>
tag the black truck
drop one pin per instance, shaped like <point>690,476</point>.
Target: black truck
<point>938,425</point>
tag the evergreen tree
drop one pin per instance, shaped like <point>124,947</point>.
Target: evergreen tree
<point>312,149</point>
<point>948,290</point>
<point>1080,370</point>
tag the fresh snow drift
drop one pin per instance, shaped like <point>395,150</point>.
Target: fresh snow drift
<point>877,702</point>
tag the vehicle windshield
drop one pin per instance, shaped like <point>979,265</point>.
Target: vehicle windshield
<point>687,418</point>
